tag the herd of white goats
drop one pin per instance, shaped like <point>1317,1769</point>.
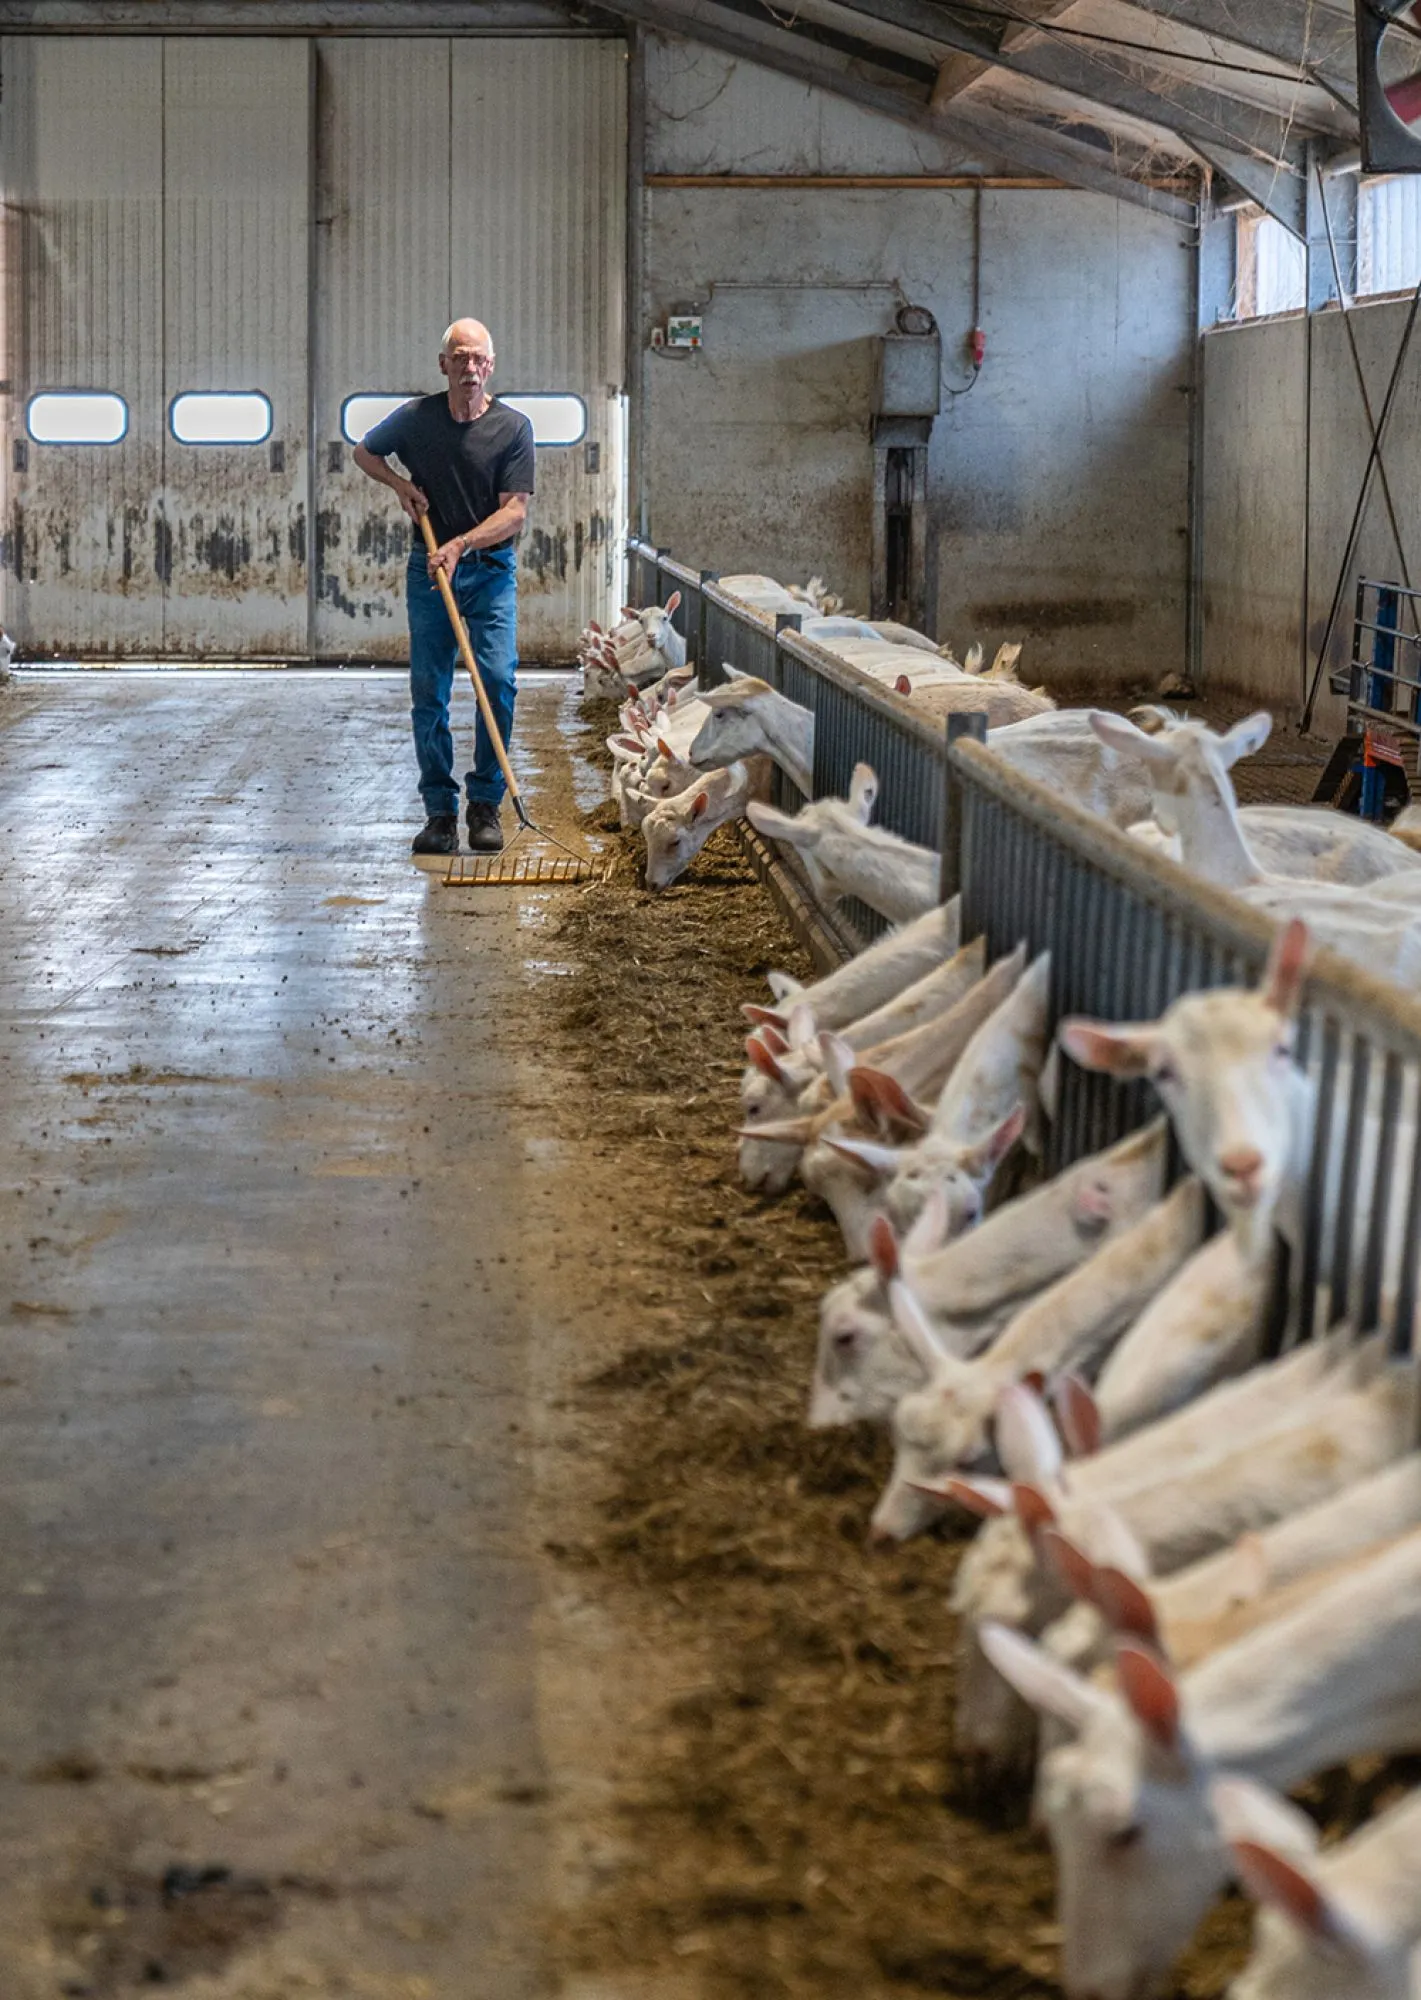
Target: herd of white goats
<point>1198,1584</point>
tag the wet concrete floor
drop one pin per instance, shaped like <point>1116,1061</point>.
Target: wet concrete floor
<point>266,1584</point>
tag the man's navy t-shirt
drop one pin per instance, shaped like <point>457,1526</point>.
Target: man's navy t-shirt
<point>460,468</point>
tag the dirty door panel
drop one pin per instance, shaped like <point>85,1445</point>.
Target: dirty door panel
<point>236,119</point>
<point>82,533</point>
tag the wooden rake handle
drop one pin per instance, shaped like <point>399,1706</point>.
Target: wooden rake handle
<point>461,633</point>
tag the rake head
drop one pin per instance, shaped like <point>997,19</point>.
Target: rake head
<point>503,871</point>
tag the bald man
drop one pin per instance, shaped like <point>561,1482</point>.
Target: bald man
<point>470,462</point>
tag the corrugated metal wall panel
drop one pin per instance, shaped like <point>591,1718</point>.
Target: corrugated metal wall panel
<point>83,311</point>
<point>236,247</point>
<point>383,284</point>
<point>542,126</point>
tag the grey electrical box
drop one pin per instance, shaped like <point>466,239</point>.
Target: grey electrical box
<point>910,375</point>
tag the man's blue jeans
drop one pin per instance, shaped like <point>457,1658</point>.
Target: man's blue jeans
<point>486,591</point>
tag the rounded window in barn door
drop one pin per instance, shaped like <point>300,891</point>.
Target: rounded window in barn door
<point>359,414</point>
<point>221,416</point>
<point>556,418</point>
<point>76,416</point>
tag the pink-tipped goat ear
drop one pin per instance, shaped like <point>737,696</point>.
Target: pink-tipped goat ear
<point>765,1061</point>
<point>1287,967</point>
<point>1070,1563</point>
<point>1033,1509</point>
<point>700,805</point>
<point>1124,1606</point>
<point>1149,1688</point>
<point>883,1248</point>
<point>902,685</point>
<point>1094,1045</point>
<point>1277,1882</point>
<point>665,749</point>
<point>1078,1414</point>
<point>986,1498</point>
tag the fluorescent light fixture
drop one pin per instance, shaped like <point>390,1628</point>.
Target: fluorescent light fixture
<point>221,416</point>
<point>77,416</point>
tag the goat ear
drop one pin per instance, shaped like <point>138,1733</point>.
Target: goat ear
<point>916,1328</point>
<point>1246,737</point>
<point>1287,967</point>
<point>883,1104</point>
<point>1027,1444</point>
<point>764,1059</point>
<point>780,1131</point>
<point>774,1041</point>
<point>776,825</point>
<point>838,1060</point>
<point>982,1160</point>
<point>902,685</point>
<point>1048,1686</point>
<point>1070,1564</point>
<point>764,1017</point>
<point>1121,1051</point>
<point>975,655</point>
<point>1125,1608</point>
<point>986,1498</point>
<point>883,1248</point>
<point>881,1161</point>
<point>672,603</point>
<point>801,1029</point>
<point>1078,1414</point>
<point>700,805</point>
<point>1033,1509</point>
<point>1119,734</point>
<point>929,1232</point>
<point>1149,1688</point>
<point>1246,1810</point>
<point>665,749</point>
<point>630,611</point>
<point>1277,1881</point>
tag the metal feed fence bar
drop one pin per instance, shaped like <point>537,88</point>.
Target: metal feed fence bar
<point>1129,931</point>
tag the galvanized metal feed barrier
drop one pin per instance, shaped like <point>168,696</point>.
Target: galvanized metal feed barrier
<point>1129,931</point>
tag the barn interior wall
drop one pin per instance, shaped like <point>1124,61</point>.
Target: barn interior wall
<point>1058,487</point>
<point>1285,451</point>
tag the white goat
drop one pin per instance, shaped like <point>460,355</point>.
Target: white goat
<point>677,829</point>
<point>971,1288</point>
<point>875,974</point>
<point>1309,842</point>
<point>946,1425</point>
<point>844,857</point>
<point>1245,1113</point>
<point>1139,1853</point>
<point>1343,1925</point>
<point>1379,926</point>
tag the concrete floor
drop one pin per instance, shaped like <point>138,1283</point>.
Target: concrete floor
<point>266,1589</point>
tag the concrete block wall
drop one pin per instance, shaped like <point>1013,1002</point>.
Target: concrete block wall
<point>1285,449</point>
<point>1058,487</point>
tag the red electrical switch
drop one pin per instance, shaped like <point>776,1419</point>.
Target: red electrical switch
<point>977,342</point>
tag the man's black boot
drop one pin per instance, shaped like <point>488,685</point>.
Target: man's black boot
<point>438,835</point>
<point>485,833</point>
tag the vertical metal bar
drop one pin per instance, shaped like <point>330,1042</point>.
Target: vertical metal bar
<point>1343,1247</point>
<point>1402,1330</point>
<point>1315,1202</point>
<point>975,727</point>
<point>1374,1259</point>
